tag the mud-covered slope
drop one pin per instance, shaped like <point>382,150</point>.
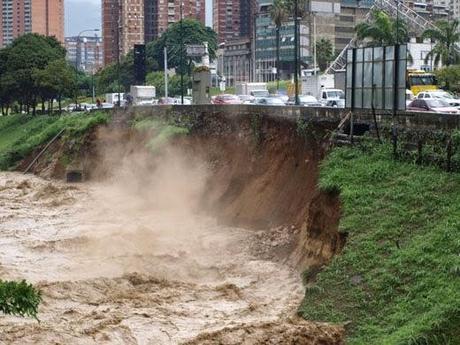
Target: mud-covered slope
<point>262,172</point>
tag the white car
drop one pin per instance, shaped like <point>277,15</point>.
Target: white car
<point>440,94</point>
<point>332,98</point>
<point>246,99</point>
<point>273,101</point>
<point>409,97</point>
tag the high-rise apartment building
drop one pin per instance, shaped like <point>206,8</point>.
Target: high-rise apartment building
<point>122,27</point>
<point>233,19</point>
<point>85,52</point>
<point>159,14</point>
<point>18,17</point>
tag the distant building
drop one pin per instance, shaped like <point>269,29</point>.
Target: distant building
<point>236,64</point>
<point>455,8</point>
<point>430,9</point>
<point>45,17</point>
<point>351,13</point>
<point>85,52</point>
<point>265,45</point>
<point>233,19</point>
<point>122,27</point>
<point>159,14</point>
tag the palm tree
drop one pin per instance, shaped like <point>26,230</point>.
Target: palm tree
<point>382,30</point>
<point>278,15</point>
<point>447,38</point>
<point>324,51</point>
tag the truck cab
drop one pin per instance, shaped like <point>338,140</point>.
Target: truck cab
<point>332,98</point>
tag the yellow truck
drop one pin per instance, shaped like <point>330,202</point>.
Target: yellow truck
<point>418,81</point>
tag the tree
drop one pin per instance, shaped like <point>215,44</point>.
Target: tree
<point>157,79</point>
<point>382,30</point>
<point>19,63</point>
<point>278,15</point>
<point>57,80</point>
<point>324,52</point>
<point>190,31</point>
<point>447,38</point>
<point>449,77</point>
<point>302,7</point>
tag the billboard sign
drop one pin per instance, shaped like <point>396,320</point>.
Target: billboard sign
<point>376,78</point>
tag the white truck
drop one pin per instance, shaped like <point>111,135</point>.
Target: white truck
<point>322,87</point>
<point>252,89</point>
<point>142,95</point>
<point>112,98</point>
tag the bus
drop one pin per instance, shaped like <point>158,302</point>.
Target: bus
<point>418,81</point>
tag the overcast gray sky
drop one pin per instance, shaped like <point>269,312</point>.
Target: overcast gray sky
<point>86,14</point>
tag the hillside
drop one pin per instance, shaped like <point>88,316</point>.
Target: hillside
<point>398,279</point>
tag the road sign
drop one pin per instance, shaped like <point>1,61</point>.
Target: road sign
<point>196,50</point>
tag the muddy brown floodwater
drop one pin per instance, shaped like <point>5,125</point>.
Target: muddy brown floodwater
<point>119,268</point>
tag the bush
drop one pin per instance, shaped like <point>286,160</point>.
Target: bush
<point>19,298</point>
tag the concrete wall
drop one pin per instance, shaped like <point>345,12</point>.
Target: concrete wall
<point>329,116</point>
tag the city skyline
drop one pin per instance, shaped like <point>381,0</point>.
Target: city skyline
<point>86,14</point>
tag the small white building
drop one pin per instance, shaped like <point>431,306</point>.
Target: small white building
<point>419,50</point>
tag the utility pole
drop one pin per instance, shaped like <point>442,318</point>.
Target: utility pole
<point>397,21</point>
<point>118,55</point>
<point>166,73</point>
<point>296,55</point>
<point>314,43</point>
<point>181,55</point>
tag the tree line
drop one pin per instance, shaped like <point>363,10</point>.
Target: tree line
<point>33,72</point>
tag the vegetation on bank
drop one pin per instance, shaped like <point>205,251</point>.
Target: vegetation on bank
<point>21,134</point>
<point>19,298</point>
<point>397,280</point>
<point>159,131</point>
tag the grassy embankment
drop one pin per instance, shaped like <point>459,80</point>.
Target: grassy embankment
<point>398,279</point>
<point>21,134</point>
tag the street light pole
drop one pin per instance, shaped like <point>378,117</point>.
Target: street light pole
<point>166,73</point>
<point>296,55</point>
<point>118,58</point>
<point>181,54</point>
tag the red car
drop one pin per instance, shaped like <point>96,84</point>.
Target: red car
<point>434,105</point>
<point>227,99</point>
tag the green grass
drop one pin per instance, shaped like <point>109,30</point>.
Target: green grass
<point>398,279</point>
<point>21,134</point>
<point>160,132</point>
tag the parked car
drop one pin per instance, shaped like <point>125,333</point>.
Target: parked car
<point>435,105</point>
<point>409,97</point>
<point>275,101</point>
<point>440,94</point>
<point>306,101</point>
<point>246,99</point>
<point>166,100</point>
<point>284,98</point>
<point>260,93</point>
<point>107,105</point>
<point>227,99</point>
